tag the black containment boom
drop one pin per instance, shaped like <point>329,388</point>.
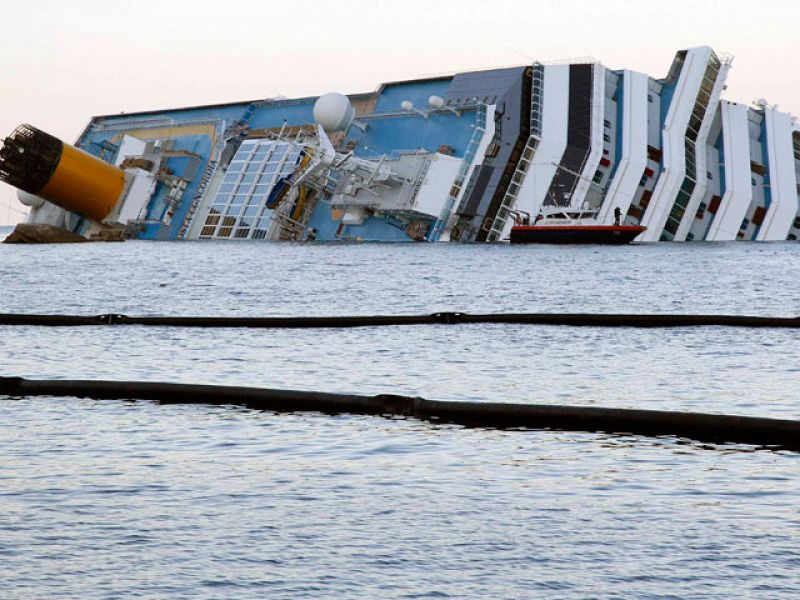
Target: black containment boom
<point>438,318</point>
<point>776,433</point>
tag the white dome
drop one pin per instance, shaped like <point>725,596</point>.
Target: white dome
<point>29,199</point>
<point>436,102</point>
<point>334,112</point>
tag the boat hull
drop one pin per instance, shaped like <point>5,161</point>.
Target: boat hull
<point>577,234</point>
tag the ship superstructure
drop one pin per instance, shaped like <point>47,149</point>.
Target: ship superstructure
<point>453,159</point>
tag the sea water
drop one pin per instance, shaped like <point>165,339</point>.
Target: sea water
<point>107,499</point>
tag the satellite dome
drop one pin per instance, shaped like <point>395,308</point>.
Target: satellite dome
<point>29,199</point>
<point>334,112</point>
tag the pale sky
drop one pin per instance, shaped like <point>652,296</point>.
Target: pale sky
<point>63,61</point>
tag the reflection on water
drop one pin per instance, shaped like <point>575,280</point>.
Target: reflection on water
<point>119,499</point>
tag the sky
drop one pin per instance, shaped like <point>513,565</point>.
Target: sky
<point>62,62</point>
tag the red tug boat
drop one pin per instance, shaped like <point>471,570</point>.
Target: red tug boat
<point>570,226</point>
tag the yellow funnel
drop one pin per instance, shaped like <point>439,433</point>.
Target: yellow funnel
<point>41,164</point>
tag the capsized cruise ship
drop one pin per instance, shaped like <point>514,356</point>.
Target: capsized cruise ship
<point>453,158</point>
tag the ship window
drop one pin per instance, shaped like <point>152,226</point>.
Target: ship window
<point>250,178</point>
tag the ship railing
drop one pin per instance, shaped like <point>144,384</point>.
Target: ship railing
<point>456,191</point>
<point>448,110</point>
<point>512,191</point>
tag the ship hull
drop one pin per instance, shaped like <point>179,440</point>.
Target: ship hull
<point>577,234</point>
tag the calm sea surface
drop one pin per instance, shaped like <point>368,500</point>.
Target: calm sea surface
<point>103,499</point>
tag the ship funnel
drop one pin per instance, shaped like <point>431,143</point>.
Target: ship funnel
<point>38,163</point>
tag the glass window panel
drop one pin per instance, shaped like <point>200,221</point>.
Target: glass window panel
<point>221,200</point>
<point>251,210</point>
<point>242,233</point>
<point>231,177</point>
<point>238,199</point>
<point>212,219</point>
<point>263,222</point>
<point>266,178</point>
<point>236,167</point>
<point>224,232</point>
<point>244,222</point>
<point>259,234</point>
<point>226,187</point>
<point>248,179</point>
<point>207,231</point>
<point>261,189</point>
<point>253,167</point>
